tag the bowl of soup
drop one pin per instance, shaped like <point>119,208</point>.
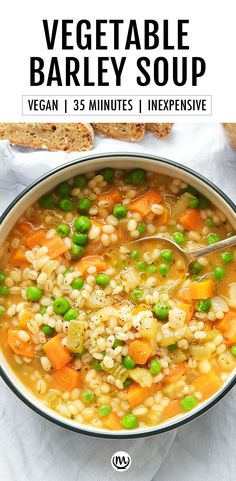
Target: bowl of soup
<point>103,334</point>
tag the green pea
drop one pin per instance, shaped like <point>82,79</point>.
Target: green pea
<point>163,269</point>
<point>63,230</point>
<point>63,189</point>
<point>151,269</point>
<point>134,255</point>
<point>166,255</point>
<point>127,382</point>
<point>128,362</point>
<point>87,396</point>
<point>2,310</point>
<point>2,277</point>
<point>233,350</point>
<point>219,273</point>
<point>129,421</point>
<point>84,205</point>
<point>161,310</point>
<point>196,267</point>
<point>136,295</point>
<point>191,190</point>
<point>104,410</point>
<point>47,201</point>
<point>117,342</point>
<point>61,305</point>
<point>204,203</point>
<point>120,211</point>
<point>33,293</point>
<point>142,227</point>
<point>155,367</point>
<point>203,305</point>
<point>210,223</point>
<point>179,238</point>
<point>48,330</point>
<point>70,315</point>
<point>193,203</point>
<point>82,224</point>
<point>213,238</point>
<point>76,251</point>
<point>80,238</point>
<point>171,347</point>
<point>227,257</point>
<point>77,283</point>
<point>188,403</point>
<point>80,181</point>
<point>102,279</point>
<point>96,365</point>
<point>108,174</point>
<point>65,204</point>
<point>42,310</point>
<point>141,266</point>
<point>138,176</point>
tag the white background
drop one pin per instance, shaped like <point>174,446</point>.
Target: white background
<point>211,35</point>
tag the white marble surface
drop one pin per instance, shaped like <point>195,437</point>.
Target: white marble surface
<point>33,449</point>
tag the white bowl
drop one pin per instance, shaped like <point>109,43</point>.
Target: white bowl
<point>48,182</point>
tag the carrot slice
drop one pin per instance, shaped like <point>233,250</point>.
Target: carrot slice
<point>143,203</point>
<point>207,384</point>
<point>25,227</point>
<point>192,220</point>
<point>172,410</point>
<point>112,421</point>
<point>111,198</point>
<point>88,261</point>
<point>137,394</point>
<point>228,326</point>
<point>17,257</point>
<point>202,290</point>
<point>18,346</point>
<point>67,378</point>
<point>36,238</point>
<point>188,308</point>
<point>57,354</point>
<point>56,247</point>
<point>176,372</point>
<point>140,350</point>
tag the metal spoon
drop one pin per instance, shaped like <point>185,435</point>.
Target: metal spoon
<point>190,256</point>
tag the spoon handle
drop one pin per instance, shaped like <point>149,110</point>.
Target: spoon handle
<point>195,254</point>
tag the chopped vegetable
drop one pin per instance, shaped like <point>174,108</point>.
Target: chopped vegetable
<point>56,247</point>
<point>173,409</point>
<point>144,203</point>
<point>138,394</point>
<point>18,346</point>
<point>67,378</point>
<point>112,198</point>
<point>36,238</point>
<point>202,290</point>
<point>88,261</point>
<point>112,422</point>
<point>18,258</point>
<point>140,351</point>
<point>176,373</point>
<point>207,384</point>
<point>192,220</point>
<point>57,354</point>
<point>75,338</point>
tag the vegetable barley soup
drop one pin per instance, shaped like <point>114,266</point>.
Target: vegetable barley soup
<point>108,331</point>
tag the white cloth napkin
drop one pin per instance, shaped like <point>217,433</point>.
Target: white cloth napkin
<point>33,448</point>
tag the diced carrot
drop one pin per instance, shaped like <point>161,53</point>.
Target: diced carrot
<point>163,218</point>
<point>57,354</point>
<point>112,421</point>
<point>56,247</point>
<point>18,346</point>
<point>228,326</point>
<point>88,261</point>
<point>112,197</point>
<point>66,378</point>
<point>25,227</point>
<point>137,394</point>
<point>172,410</point>
<point>207,326</point>
<point>24,316</point>
<point>192,220</point>
<point>140,350</point>
<point>184,295</point>
<point>188,308</point>
<point>207,384</point>
<point>176,372</point>
<point>144,202</point>
<point>17,258</point>
<point>36,238</point>
<point>202,290</point>
<point>139,308</point>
